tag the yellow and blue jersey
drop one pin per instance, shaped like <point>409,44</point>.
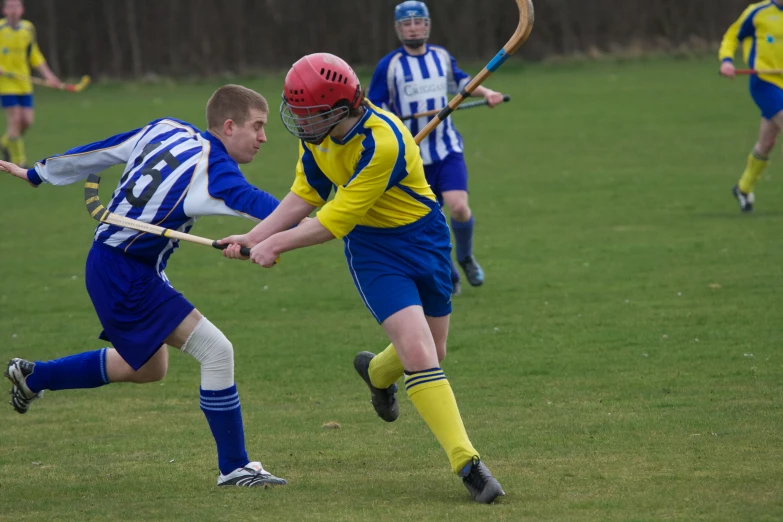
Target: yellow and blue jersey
<point>18,53</point>
<point>376,171</point>
<point>760,30</point>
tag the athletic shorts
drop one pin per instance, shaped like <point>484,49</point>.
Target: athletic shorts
<point>138,308</point>
<point>450,173</point>
<point>401,267</point>
<point>14,100</point>
<point>768,97</point>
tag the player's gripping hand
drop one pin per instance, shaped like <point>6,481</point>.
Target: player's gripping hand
<point>727,69</point>
<point>493,98</point>
<point>263,254</point>
<point>235,243</point>
<point>16,171</point>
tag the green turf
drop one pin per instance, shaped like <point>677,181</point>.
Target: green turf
<point>622,361</point>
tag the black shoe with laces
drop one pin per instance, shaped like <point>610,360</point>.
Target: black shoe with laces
<point>473,271</point>
<point>745,200</point>
<point>384,400</point>
<point>17,372</point>
<point>483,487</point>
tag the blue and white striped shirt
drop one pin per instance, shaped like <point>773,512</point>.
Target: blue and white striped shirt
<point>173,174</point>
<point>406,84</point>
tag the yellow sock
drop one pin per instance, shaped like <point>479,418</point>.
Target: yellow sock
<point>385,368</point>
<point>16,150</point>
<point>756,164</point>
<point>4,141</point>
<point>430,392</point>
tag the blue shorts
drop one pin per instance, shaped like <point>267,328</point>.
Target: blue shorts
<point>768,97</point>
<point>138,308</point>
<point>450,173</point>
<point>13,100</point>
<point>401,267</point>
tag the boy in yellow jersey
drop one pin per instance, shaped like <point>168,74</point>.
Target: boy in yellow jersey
<point>397,243</point>
<point>760,29</point>
<point>18,53</point>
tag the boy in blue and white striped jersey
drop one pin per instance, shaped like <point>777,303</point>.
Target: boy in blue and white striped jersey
<point>173,174</point>
<point>416,78</point>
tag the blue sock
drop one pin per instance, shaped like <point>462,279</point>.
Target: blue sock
<point>463,233</point>
<point>81,370</point>
<point>224,415</point>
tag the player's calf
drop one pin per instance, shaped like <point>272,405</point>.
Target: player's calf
<point>17,372</point>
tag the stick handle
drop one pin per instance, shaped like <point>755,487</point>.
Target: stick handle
<point>100,213</point>
<point>759,71</point>
<point>469,105</point>
<point>243,250</point>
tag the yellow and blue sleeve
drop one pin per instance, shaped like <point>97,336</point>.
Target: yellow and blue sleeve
<point>741,29</point>
<point>34,55</point>
<point>310,184</point>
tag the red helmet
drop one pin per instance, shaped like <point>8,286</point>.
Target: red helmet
<point>319,91</point>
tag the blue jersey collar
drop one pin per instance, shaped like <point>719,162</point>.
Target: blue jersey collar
<point>215,141</point>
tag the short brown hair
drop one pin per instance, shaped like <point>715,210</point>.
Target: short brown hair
<point>233,102</point>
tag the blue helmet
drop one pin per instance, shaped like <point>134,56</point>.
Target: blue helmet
<point>412,11</point>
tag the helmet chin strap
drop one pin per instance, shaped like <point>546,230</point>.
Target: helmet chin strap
<point>415,44</point>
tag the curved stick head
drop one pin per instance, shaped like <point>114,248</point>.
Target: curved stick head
<point>79,87</point>
<point>91,199</point>
<point>524,27</point>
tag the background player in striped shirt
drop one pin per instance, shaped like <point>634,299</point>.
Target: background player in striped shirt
<point>397,243</point>
<point>18,53</point>
<point>760,29</point>
<point>418,77</point>
<point>173,174</point>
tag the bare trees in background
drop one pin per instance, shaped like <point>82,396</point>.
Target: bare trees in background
<point>189,37</point>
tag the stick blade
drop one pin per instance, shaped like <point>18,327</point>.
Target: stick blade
<point>91,198</point>
<point>79,87</point>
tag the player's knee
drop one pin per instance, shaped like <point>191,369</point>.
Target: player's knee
<point>459,210</point>
<point>214,351</point>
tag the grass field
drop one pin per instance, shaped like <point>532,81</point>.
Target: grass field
<point>622,362</point>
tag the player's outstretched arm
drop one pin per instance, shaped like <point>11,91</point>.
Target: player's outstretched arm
<point>49,76</point>
<point>16,171</point>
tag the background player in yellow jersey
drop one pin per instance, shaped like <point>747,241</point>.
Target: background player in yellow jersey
<point>397,243</point>
<point>18,53</point>
<point>760,29</point>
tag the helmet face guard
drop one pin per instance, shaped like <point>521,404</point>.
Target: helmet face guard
<point>408,13</point>
<point>312,124</point>
<point>412,42</point>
